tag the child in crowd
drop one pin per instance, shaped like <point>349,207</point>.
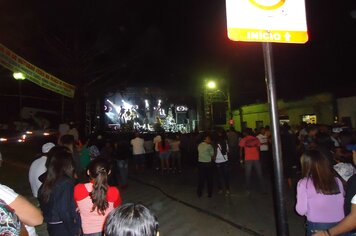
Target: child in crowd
<point>96,199</point>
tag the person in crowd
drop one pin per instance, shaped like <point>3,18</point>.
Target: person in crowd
<point>233,142</point>
<point>74,131</point>
<point>266,161</point>
<point>38,167</point>
<point>63,129</point>
<point>84,154</point>
<point>131,219</point>
<point>250,146</point>
<point>221,163</point>
<point>93,148</point>
<point>289,154</point>
<point>121,154</point>
<point>302,133</point>
<point>56,195</point>
<point>156,140</point>
<point>1,160</point>
<point>309,140</point>
<point>67,140</point>
<point>138,152</point>
<point>343,168</point>
<point>149,150</point>
<point>335,137</point>
<point>96,199</point>
<point>206,156</point>
<point>176,156</point>
<point>106,153</point>
<point>348,225</point>
<point>320,194</point>
<point>23,213</point>
<point>164,154</point>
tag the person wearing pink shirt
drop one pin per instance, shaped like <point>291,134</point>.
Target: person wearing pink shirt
<point>320,194</point>
<point>96,199</point>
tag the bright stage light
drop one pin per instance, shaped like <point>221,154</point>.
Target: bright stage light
<point>126,105</point>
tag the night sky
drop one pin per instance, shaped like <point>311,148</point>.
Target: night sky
<point>175,45</point>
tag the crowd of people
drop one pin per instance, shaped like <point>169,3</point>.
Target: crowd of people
<point>77,181</point>
<point>73,199</point>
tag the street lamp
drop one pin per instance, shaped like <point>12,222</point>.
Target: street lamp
<point>19,76</point>
<point>211,84</point>
<point>213,93</point>
<point>209,87</point>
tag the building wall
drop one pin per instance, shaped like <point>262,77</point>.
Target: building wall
<point>321,105</point>
<point>347,108</point>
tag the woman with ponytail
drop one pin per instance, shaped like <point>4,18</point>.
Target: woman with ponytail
<point>96,199</point>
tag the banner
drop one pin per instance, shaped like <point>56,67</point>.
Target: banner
<point>15,63</point>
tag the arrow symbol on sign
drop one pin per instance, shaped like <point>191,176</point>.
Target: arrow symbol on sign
<point>287,36</point>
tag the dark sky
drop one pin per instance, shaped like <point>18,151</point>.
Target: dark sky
<point>176,44</point>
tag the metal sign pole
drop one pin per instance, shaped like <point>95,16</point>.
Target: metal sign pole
<point>280,201</point>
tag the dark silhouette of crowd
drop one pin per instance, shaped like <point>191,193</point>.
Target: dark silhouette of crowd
<point>88,173</point>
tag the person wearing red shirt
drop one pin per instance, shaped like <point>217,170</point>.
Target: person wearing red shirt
<point>250,146</point>
<point>96,199</point>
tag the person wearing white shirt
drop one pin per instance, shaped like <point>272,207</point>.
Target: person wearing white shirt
<point>264,151</point>
<point>221,163</point>
<point>38,167</point>
<point>29,215</point>
<point>138,152</point>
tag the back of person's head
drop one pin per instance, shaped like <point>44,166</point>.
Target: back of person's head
<point>316,166</point>
<point>312,128</point>
<point>221,132</point>
<point>55,151</point>
<point>67,139</point>
<point>59,164</point>
<point>98,170</point>
<point>47,147</point>
<point>131,219</point>
<point>247,131</point>
<point>203,136</point>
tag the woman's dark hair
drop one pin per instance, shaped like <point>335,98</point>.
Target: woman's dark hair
<point>98,171</point>
<point>221,142</point>
<point>131,219</point>
<point>59,164</point>
<point>317,167</point>
<point>56,150</point>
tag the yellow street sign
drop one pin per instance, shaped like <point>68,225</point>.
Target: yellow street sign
<point>267,6</point>
<point>279,21</point>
